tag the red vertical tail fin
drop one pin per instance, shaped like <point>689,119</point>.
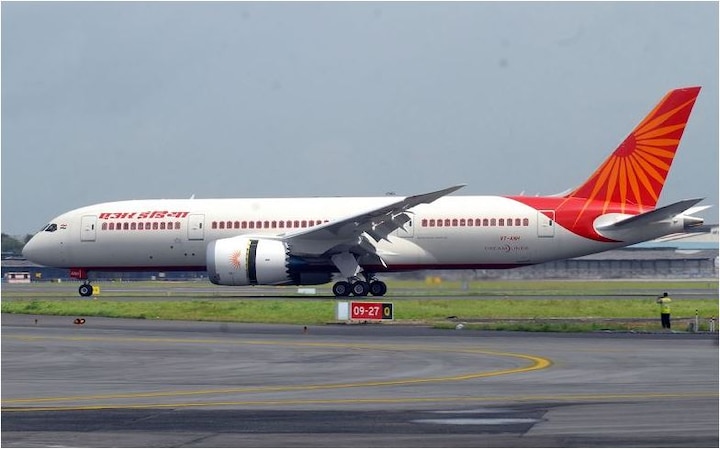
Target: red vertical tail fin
<point>635,173</point>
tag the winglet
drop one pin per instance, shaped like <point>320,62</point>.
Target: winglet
<point>635,173</point>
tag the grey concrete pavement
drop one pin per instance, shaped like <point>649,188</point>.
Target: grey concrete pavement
<point>138,383</point>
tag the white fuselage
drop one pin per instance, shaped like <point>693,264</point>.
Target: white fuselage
<point>452,232</point>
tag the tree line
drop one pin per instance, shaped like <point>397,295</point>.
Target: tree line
<point>12,246</point>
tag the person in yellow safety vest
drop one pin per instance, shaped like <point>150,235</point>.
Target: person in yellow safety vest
<point>664,302</point>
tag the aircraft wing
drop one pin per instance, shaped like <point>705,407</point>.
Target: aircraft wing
<point>345,233</point>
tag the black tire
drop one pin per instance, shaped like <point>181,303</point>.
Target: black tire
<point>341,289</point>
<point>378,288</point>
<point>85,290</point>
<point>360,288</point>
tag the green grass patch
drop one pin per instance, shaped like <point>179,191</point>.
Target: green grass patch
<point>575,306</point>
<point>309,312</point>
<point>565,315</point>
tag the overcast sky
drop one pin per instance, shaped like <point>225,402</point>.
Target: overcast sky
<point>112,101</point>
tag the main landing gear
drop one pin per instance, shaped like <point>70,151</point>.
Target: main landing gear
<point>348,265</point>
<point>359,287</point>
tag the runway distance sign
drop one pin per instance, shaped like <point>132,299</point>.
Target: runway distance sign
<point>371,310</point>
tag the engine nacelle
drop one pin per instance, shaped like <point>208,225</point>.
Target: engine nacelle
<point>248,261</point>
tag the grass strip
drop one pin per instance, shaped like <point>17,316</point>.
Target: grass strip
<point>569,315</point>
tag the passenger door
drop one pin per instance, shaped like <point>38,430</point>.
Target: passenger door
<point>196,225</point>
<point>88,232</point>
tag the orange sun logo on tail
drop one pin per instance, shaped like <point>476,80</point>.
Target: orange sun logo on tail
<point>635,173</point>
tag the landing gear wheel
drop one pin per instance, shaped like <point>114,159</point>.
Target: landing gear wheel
<point>360,288</point>
<point>341,288</point>
<point>378,288</point>
<point>85,290</point>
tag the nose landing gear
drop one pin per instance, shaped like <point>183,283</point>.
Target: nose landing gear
<point>85,290</point>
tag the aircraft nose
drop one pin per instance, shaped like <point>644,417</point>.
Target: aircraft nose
<point>40,250</point>
<point>30,250</point>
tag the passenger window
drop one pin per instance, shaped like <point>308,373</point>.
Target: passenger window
<point>104,227</point>
<point>501,222</point>
<point>526,222</point>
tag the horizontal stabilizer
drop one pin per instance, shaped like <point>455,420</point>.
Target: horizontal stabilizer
<point>653,216</point>
<point>696,209</point>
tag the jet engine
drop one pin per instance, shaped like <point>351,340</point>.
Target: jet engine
<point>247,260</point>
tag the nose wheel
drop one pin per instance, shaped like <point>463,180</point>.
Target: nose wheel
<point>85,290</point>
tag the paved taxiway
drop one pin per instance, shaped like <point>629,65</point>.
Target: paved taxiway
<point>154,383</point>
<point>201,290</point>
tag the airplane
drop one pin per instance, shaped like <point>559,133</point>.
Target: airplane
<point>306,241</point>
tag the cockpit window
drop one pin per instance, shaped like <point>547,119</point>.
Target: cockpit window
<point>52,227</point>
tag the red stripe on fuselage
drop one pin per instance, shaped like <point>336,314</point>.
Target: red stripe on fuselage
<point>568,213</point>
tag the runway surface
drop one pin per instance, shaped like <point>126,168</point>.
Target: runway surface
<point>202,290</point>
<point>138,383</point>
